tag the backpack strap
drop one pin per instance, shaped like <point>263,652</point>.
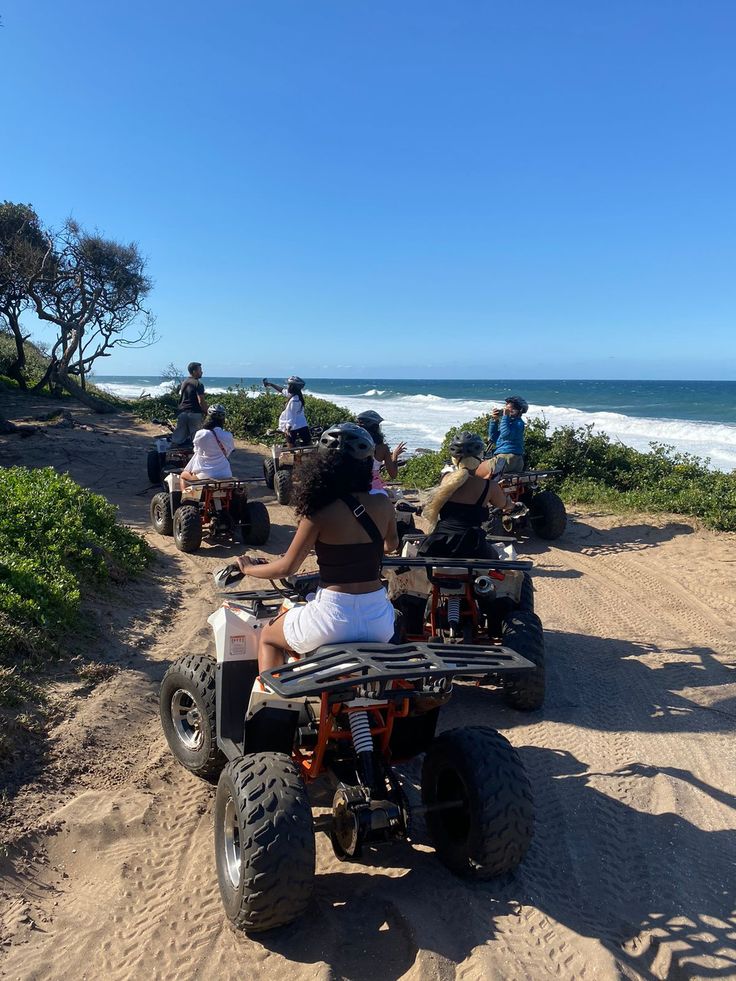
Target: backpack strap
<point>363,518</point>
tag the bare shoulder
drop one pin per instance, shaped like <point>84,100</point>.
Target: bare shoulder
<point>379,506</point>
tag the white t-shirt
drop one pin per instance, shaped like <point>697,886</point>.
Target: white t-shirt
<point>210,460</point>
<point>293,416</point>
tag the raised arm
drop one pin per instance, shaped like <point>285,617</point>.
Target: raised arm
<point>390,459</point>
<point>276,388</point>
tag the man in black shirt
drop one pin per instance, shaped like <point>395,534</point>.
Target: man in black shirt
<point>192,406</point>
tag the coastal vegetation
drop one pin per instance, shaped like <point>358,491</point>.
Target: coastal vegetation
<point>90,289</point>
<point>599,472</point>
<point>58,543</point>
<point>251,414</point>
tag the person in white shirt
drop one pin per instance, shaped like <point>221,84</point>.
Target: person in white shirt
<point>293,421</point>
<point>213,446</point>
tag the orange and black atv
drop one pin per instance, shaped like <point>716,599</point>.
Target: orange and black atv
<point>346,713</point>
<point>211,508</point>
<point>544,511</point>
<point>473,601</point>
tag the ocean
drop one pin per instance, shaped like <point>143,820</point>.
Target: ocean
<point>696,417</point>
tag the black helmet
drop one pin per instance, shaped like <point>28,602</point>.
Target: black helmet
<point>518,403</point>
<point>217,413</point>
<point>467,444</point>
<point>193,365</point>
<point>295,381</point>
<point>348,438</point>
<point>369,418</point>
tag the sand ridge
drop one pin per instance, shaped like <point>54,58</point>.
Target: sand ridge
<point>110,873</point>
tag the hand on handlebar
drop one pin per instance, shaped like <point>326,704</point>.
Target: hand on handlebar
<point>243,561</point>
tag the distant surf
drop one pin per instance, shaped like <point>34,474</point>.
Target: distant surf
<point>694,417</point>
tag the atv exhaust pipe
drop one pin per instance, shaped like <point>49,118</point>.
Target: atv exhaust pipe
<point>483,586</point>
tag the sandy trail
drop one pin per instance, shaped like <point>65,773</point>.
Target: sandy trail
<point>631,873</point>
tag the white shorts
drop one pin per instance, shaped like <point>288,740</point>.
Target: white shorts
<point>336,618</point>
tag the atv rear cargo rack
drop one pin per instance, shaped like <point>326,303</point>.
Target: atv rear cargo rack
<point>336,667</point>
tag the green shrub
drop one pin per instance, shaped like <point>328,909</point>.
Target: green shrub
<point>249,416</point>
<point>36,360</point>
<point>56,540</point>
<point>597,471</point>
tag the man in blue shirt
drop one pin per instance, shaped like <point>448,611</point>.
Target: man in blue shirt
<point>506,430</point>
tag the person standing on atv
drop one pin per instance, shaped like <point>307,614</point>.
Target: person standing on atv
<point>213,446</point>
<point>459,506</point>
<point>349,528</point>
<point>506,432</point>
<point>293,421</point>
<point>192,405</point>
<point>382,456</point>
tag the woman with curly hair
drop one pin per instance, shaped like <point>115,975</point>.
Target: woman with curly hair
<point>349,528</point>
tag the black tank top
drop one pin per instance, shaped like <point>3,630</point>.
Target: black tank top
<point>358,562</point>
<point>456,516</point>
<point>458,532</point>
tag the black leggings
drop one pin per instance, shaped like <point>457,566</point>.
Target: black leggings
<point>299,437</point>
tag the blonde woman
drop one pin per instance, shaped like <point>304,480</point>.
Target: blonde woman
<point>459,506</point>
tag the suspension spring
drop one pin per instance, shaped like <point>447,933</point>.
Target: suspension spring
<point>453,611</point>
<point>361,731</point>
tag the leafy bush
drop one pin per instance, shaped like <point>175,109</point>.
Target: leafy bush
<point>249,417</point>
<point>36,360</point>
<point>56,538</point>
<point>597,471</point>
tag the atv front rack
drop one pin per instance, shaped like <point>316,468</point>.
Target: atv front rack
<point>336,667</point>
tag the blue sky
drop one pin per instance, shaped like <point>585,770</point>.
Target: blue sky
<point>538,189</point>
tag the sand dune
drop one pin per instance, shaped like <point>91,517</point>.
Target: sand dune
<point>109,869</point>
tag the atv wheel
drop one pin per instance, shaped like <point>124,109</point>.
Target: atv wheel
<point>161,514</point>
<point>526,597</point>
<point>269,471</point>
<point>257,524</point>
<point>153,465</point>
<point>264,842</point>
<point>187,528</point>
<point>489,832</point>
<point>282,483</point>
<point>523,633</point>
<point>547,515</point>
<point>188,715</point>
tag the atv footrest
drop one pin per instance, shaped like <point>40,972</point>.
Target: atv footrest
<point>340,666</point>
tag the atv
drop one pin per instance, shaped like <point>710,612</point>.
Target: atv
<point>165,457</point>
<point>473,602</point>
<point>214,508</point>
<point>545,510</point>
<point>345,713</point>
<point>278,469</point>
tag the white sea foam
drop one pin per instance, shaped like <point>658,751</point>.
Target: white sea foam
<point>152,388</point>
<point>423,420</point>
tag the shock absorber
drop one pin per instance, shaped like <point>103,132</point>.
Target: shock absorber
<point>453,611</point>
<point>360,729</point>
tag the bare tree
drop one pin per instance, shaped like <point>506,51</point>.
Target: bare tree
<point>23,246</point>
<point>94,290</point>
